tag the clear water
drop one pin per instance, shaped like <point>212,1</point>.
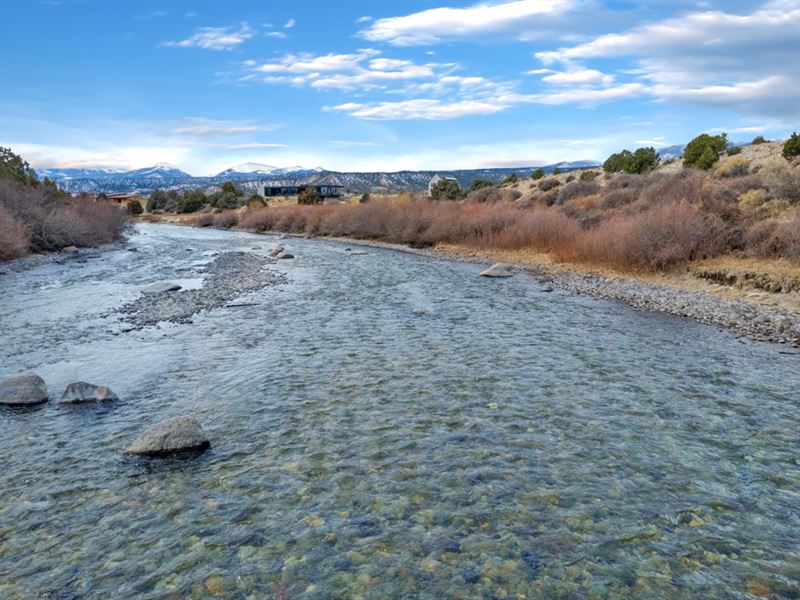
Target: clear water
<point>507,443</point>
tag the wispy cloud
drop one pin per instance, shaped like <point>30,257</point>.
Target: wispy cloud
<point>417,109</point>
<point>215,38</point>
<point>524,19</point>
<point>289,24</point>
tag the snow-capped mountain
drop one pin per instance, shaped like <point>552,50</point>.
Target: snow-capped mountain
<point>252,175</point>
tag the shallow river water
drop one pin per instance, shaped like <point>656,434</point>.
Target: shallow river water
<point>505,443</point>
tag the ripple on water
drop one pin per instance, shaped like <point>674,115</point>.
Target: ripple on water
<point>505,444</point>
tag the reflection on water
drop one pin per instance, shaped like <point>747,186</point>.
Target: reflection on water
<point>390,426</point>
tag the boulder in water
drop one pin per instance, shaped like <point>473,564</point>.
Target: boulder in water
<point>275,250</point>
<point>162,286</point>
<point>285,255</point>
<point>69,250</point>
<point>23,390</point>
<point>80,391</point>
<point>178,434</point>
<point>498,270</point>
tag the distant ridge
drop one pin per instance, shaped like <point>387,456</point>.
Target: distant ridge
<point>251,175</point>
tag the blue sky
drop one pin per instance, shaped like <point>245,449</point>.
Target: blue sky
<point>357,85</point>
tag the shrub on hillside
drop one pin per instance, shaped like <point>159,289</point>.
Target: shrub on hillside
<point>510,179</point>
<point>588,175</point>
<point>735,167</point>
<point>734,150</point>
<point>775,239</point>
<point>759,139</point>
<point>791,147</point>
<point>487,194</point>
<point>782,180</point>
<point>619,197</point>
<point>14,168</point>
<point>658,239</point>
<point>548,184</point>
<point>446,189</point>
<point>577,189</point>
<point>537,174</point>
<point>667,188</point>
<point>704,150</point>
<point>480,184</point>
<point>226,219</point>
<point>640,161</point>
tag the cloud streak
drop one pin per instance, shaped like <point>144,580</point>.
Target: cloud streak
<point>215,38</point>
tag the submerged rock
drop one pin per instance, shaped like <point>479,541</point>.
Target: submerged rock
<point>498,270</point>
<point>23,390</point>
<point>80,391</point>
<point>161,287</point>
<point>357,253</point>
<point>177,434</point>
<point>285,255</point>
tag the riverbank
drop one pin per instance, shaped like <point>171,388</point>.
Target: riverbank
<point>756,314</point>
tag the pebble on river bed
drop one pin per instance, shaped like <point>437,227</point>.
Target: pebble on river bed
<point>177,434</point>
<point>23,390</point>
<point>80,391</point>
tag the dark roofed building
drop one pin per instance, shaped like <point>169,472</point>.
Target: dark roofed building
<point>326,187</point>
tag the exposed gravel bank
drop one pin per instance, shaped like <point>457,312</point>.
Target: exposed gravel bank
<point>747,319</point>
<point>228,276</point>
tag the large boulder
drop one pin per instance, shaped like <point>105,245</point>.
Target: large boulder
<point>177,434</point>
<point>162,286</point>
<point>69,250</point>
<point>23,390</point>
<point>80,391</point>
<point>498,270</point>
<point>275,250</point>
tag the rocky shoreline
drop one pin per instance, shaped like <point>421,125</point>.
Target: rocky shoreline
<point>228,276</point>
<point>746,319</point>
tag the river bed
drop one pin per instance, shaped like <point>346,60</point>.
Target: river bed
<point>389,426</point>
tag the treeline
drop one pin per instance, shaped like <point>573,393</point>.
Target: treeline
<point>189,201</point>
<point>36,216</point>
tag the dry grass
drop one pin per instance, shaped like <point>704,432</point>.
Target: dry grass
<point>14,236</point>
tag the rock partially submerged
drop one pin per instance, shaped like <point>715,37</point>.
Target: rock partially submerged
<point>498,270</point>
<point>69,250</point>
<point>23,390</point>
<point>178,434</point>
<point>161,287</point>
<point>284,255</point>
<point>358,253</point>
<point>80,391</point>
<point>275,250</point>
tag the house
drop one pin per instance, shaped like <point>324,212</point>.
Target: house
<point>326,188</point>
<point>436,179</point>
<point>123,197</point>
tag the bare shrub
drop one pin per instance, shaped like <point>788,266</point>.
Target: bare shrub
<point>658,239</point>
<point>775,239</point>
<point>486,194</point>
<point>735,167</point>
<point>548,184</point>
<point>684,186</point>
<point>619,197</point>
<point>14,238</point>
<point>206,219</point>
<point>782,180</point>
<point>577,189</point>
<point>226,219</point>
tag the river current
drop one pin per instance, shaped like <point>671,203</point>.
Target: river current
<point>389,426</point>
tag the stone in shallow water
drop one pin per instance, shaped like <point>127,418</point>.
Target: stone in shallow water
<point>21,390</point>
<point>285,255</point>
<point>162,286</point>
<point>173,435</point>
<point>275,250</point>
<point>498,270</point>
<point>80,391</point>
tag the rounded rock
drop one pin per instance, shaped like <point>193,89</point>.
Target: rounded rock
<point>178,434</point>
<point>23,390</point>
<point>498,270</point>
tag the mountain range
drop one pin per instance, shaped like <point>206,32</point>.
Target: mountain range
<point>250,175</point>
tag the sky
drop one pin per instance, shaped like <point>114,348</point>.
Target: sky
<point>388,85</point>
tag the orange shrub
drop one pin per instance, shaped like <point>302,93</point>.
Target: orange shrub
<point>655,240</point>
<point>14,238</point>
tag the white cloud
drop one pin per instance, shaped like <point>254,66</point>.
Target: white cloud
<point>418,109</point>
<point>578,77</point>
<point>203,127</point>
<point>215,38</point>
<point>364,19</point>
<point>276,34</point>
<point>745,62</point>
<point>289,24</point>
<point>525,19</point>
<point>589,97</point>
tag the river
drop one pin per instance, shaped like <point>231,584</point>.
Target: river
<point>387,426</point>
